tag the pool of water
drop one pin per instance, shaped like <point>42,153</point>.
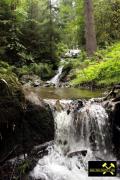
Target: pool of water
<point>67,93</point>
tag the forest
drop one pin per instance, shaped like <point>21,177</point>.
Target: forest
<point>59,89</point>
<point>35,35</point>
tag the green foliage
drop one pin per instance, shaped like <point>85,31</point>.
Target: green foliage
<point>44,71</point>
<point>24,167</point>
<point>28,32</point>
<point>107,18</point>
<point>39,32</point>
<point>61,49</point>
<point>71,22</point>
<point>6,72</point>
<point>101,72</point>
<point>31,32</point>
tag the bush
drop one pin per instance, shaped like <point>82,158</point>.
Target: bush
<point>43,70</point>
<point>103,69</point>
<point>61,49</point>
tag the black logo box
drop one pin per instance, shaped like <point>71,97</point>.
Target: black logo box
<point>95,168</point>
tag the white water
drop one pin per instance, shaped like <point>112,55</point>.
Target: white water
<point>73,134</point>
<point>56,79</point>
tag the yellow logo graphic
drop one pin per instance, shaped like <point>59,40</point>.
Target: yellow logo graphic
<point>110,169</point>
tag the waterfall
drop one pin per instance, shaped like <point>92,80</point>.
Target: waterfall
<point>82,134</point>
<point>56,79</point>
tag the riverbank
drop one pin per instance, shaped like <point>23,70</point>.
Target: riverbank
<point>100,71</point>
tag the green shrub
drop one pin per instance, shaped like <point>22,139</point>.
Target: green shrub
<point>43,70</point>
<point>103,69</point>
<point>61,49</point>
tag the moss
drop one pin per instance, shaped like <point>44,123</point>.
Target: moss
<point>6,73</point>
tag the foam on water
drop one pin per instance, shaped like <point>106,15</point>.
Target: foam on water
<point>73,134</point>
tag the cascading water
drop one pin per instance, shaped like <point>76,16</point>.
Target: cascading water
<point>92,128</point>
<point>81,136</point>
<point>56,79</point>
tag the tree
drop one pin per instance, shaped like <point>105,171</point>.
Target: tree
<point>90,35</point>
<point>11,18</point>
<point>107,21</point>
<point>39,31</point>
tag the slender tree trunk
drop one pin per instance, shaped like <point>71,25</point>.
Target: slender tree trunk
<point>51,29</point>
<point>90,35</point>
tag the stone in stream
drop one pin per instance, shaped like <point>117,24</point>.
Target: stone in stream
<point>58,106</point>
<point>33,80</point>
<point>75,106</point>
<point>40,150</point>
<point>77,153</point>
<point>37,83</point>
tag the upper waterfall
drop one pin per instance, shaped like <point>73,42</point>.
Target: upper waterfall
<point>56,79</point>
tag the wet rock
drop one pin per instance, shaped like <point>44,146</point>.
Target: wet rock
<point>40,150</point>
<point>78,104</point>
<point>77,153</point>
<point>113,109</point>
<point>48,84</point>
<point>58,106</point>
<point>68,111</point>
<point>33,80</point>
<point>112,105</point>
<point>4,88</point>
<point>37,83</point>
<point>41,123</point>
<point>24,123</point>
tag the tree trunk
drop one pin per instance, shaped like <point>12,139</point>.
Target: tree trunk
<point>90,35</point>
<point>51,30</point>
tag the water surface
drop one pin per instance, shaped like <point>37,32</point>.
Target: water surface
<point>67,93</point>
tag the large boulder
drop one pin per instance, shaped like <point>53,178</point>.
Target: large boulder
<point>113,109</point>
<point>24,122</point>
<point>112,105</point>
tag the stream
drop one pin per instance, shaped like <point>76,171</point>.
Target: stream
<point>66,93</point>
<point>82,134</point>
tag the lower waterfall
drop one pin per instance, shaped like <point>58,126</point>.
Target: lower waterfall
<point>82,135</point>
